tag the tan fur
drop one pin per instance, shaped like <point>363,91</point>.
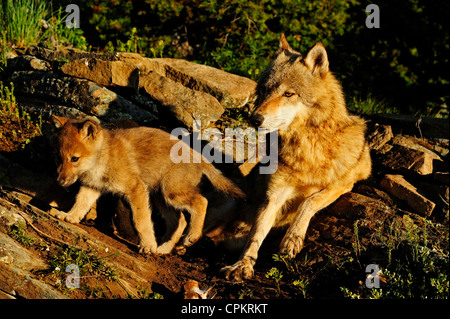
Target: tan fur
<point>134,162</point>
<point>322,153</point>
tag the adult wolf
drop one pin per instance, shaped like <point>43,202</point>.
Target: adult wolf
<point>322,153</point>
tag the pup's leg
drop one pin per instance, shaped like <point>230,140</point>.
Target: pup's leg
<point>294,238</point>
<point>175,225</point>
<point>86,197</point>
<point>196,206</point>
<point>197,210</point>
<point>138,198</point>
<point>243,269</point>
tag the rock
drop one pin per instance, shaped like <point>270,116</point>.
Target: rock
<point>406,159</point>
<point>229,89</point>
<point>415,144</point>
<point>373,192</point>
<point>185,104</point>
<point>16,265</point>
<point>79,93</point>
<point>354,206</point>
<point>400,188</point>
<point>416,126</point>
<point>9,217</point>
<point>61,54</point>
<point>379,136</point>
<point>107,73</point>
<point>28,62</point>
<point>145,65</point>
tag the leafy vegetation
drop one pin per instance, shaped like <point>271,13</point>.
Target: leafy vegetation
<point>411,253</point>
<point>400,67</point>
<point>416,261</point>
<point>18,127</point>
<point>89,266</point>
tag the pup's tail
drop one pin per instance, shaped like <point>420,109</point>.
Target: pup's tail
<point>221,182</point>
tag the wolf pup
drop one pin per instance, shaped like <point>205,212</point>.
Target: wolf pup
<point>134,162</point>
<point>322,151</point>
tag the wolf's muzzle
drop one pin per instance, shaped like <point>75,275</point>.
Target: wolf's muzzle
<point>256,119</point>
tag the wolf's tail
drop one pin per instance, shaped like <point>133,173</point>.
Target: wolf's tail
<point>221,182</point>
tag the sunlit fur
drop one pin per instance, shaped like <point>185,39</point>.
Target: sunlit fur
<point>322,153</point>
<point>135,162</point>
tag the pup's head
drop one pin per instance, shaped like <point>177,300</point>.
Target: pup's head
<point>296,88</point>
<point>78,143</point>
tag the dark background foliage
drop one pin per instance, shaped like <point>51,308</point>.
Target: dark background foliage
<point>401,67</point>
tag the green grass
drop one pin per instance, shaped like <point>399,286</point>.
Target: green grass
<point>369,105</point>
<point>31,22</point>
<point>21,21</point>
<point>15,120</point>
<point>18,233</point>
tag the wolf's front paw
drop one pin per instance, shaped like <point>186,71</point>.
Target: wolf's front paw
<point>68,217</point>
<point>74,219</point>
<point>243,269</point>
<point>291,245</point>
<point>147,247</point>
<point>191,239</point>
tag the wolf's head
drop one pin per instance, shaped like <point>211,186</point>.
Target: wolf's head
<point>78,145</point>
<point>297,88</point>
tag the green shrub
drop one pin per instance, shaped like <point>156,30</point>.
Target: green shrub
<point>402,63</point>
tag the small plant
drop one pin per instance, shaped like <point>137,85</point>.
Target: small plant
<point>16,122</point>
<point>89,264</point>
<point>356,243</point>
<point>288,262</point>
<point>276,275</point>
<point>302,285</point>
<point>246,293</point>
<point>143,293</point>
<point>18,233</point>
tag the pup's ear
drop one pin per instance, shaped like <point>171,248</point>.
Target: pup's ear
<point>58,121</point>
<point>90,128</point>
<point>317,59</point>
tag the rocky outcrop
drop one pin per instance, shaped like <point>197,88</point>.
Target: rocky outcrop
<point>84,95</point>
<point>125,85</point>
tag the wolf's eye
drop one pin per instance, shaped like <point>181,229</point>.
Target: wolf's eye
<point>74,159</point>
<point>288,94</point>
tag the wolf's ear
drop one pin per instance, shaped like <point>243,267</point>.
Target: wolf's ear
<point>58,121</point>
<point>287,49</point>
<point>284,45</point>
<point>317,59</point>
<point>90,128</point>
